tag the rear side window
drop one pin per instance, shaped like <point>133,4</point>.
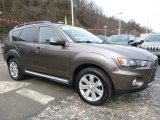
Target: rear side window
<point>45,33</point>
<point>28,34</point>
<point>15,35</point>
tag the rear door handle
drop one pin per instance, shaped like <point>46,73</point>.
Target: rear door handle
<point>38,49</point>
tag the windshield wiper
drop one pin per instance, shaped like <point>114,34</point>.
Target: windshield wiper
<point>88,42</point>
<point>84,42</point>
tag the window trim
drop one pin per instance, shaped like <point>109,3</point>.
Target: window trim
<point>52,28</point>
<point>11,34</point>
<point>34,41</point>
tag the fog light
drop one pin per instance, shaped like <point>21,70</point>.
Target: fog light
<point>137,83</point>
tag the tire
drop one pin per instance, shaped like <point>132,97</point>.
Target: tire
<point>87,89</point>
<point>15,69</point>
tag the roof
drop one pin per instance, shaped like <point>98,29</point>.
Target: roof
<point>34,23</point>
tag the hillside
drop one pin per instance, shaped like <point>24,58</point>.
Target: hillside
<point>87,14</point>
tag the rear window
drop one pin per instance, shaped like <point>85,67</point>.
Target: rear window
<point>15,35</point>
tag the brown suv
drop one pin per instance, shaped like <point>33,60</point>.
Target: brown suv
<point>73,56</point>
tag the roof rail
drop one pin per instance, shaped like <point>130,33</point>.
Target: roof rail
<point>29,23</point>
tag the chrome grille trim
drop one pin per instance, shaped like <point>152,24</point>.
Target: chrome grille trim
<point>153,48</point>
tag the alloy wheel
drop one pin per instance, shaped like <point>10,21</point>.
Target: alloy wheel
<point>91,87</point>
<point>14,69</point>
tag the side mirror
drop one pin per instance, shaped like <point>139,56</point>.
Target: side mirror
<point>133,43</point>
<point>140,42</point>
<point>131,39</point>
<point>56,41</point>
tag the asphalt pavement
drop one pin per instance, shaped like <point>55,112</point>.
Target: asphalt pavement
<point>41,99</point>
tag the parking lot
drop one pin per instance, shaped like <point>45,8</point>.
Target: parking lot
<point>41,99</point>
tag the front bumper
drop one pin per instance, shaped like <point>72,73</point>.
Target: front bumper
<point>124,77</point>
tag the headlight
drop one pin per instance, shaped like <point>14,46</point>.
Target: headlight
<point>132,62</point>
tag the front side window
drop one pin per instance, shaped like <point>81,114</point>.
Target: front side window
<point>15,35</point>
<point>28,34</point>
<point>46,33</point>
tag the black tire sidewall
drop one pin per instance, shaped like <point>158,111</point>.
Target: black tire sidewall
<point>20,70</point>
<point>104,79</point>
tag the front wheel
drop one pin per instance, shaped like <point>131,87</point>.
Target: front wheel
<point>94,86</point>
<point>15,69</point>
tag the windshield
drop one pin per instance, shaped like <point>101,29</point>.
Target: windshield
<point>80,35</point>
<point>104,38</point>
<point>118,39</point>
<point>153,38</point>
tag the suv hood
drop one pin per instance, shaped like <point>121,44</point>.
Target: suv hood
<point>124,51</point>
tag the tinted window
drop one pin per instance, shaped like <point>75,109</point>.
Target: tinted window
<point>45,33</point>
<point>119,39</point>
<point>154,38</point>
<point>28,34</point>
<point>15,35</point>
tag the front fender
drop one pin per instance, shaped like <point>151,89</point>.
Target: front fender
<point>99,60</point>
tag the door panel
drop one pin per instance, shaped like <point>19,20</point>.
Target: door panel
<point>51,59</point>
<point>25,46</point>
<point>26,51</point>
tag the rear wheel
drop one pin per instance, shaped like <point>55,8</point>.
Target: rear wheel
<point>15,69</point>
<point>93,86</point>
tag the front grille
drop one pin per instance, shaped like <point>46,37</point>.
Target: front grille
<point>153,48</point>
